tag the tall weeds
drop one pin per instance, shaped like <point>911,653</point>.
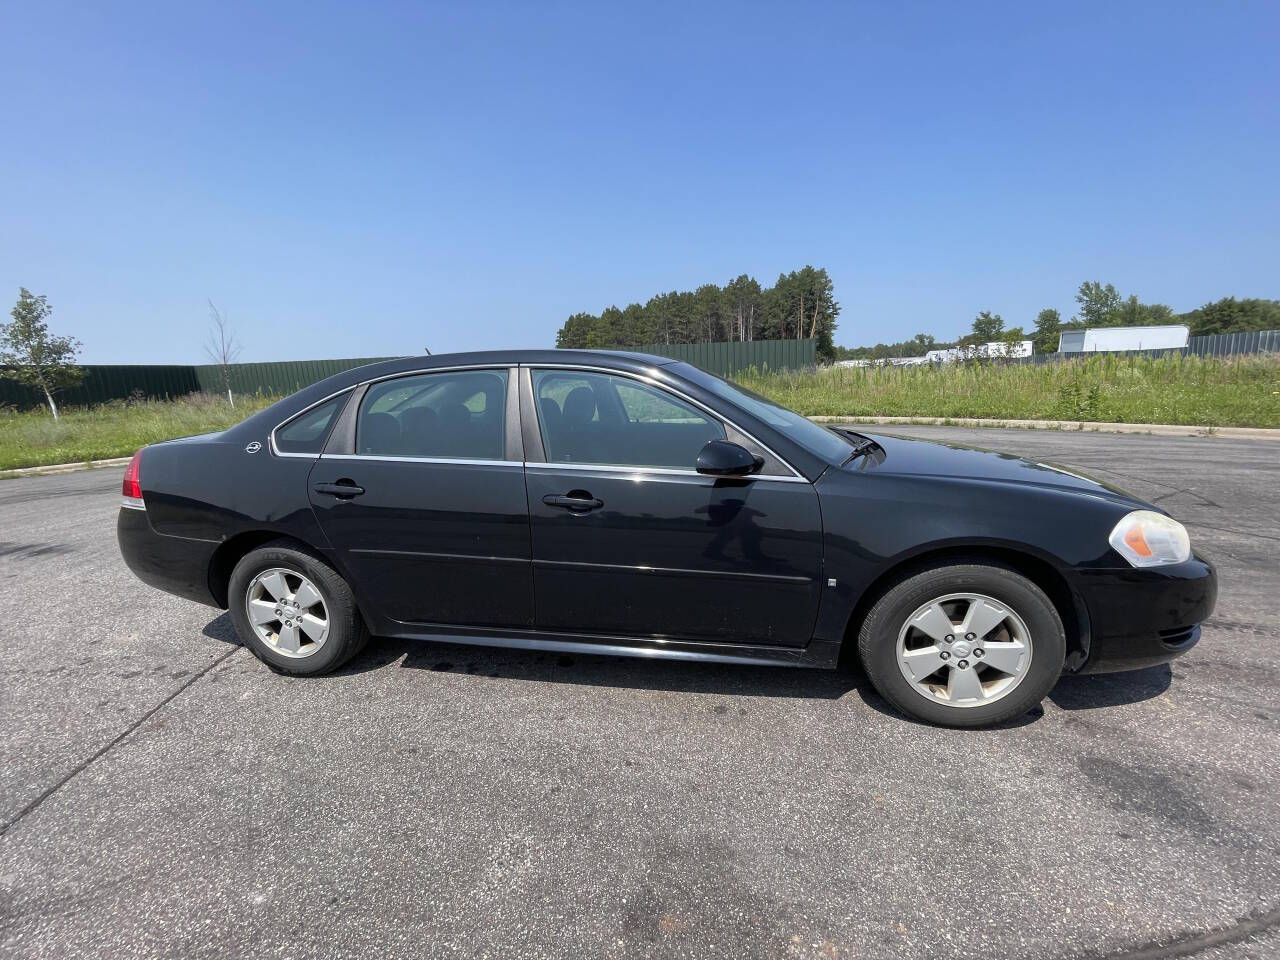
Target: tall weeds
<point>1200,391</point>
<point>115,429</point>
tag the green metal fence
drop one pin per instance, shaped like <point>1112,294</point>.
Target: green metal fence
<point>277,379</point>
<point>729,357</point>
<point>103,382</point>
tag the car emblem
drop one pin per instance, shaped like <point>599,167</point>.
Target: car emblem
<point>253,447</point>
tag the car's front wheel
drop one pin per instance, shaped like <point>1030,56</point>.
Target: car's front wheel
<point>294,611</point>
<point>963,645</point>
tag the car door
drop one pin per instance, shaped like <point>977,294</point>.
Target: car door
<point>629,540</point>
<point>425,502</point>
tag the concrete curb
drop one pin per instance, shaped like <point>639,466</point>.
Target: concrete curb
<point>1155,429</point>
<point>63,468</point>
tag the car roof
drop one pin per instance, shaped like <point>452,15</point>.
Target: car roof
<point>614,359</point>
<point>606,357</point>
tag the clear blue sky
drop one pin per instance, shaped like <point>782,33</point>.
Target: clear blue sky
<point>352,179</point>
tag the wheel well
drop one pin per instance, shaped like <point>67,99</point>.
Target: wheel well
<point>1075,618</point>
<point>230,552</point>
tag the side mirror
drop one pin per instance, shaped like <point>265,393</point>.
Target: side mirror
<point>720,458</point>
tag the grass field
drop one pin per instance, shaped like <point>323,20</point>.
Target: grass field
<point>31,438</point>
<point>1199,391</point>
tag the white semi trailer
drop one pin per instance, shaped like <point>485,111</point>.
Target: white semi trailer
<point>1113,339</point>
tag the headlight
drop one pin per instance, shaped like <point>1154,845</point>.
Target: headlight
<point>1149,539</point>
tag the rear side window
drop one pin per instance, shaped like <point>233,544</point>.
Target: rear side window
<point>307,432</point>
<point>455,415</point>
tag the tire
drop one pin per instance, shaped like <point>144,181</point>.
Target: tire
<point>310,640</point>
<point>1014,664</point>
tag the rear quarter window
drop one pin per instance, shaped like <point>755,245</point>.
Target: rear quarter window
<point>308,431</point>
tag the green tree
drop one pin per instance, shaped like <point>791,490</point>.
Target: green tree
<point>685,322</point>
<point>221,348</point>
<point>1048,327</point>
<point>1011,338</point>
<point>34,356</point>
<point>1133,313</point>
<point>708,299</point>
<point>1098,303</point>
<point>801,305</point>
<point>1230,315</point>
<point>920,344</point>
<point>576,330</point>
<point>823,311</point>
<point>987,327</point>
<point>634,327</point>
<point>1102,306</point>
<point>661,314</point>
<point>743,300</point>
<point>606,330</point>
<point>917,346</point>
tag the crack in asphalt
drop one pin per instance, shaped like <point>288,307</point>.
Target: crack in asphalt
<point>1239,533</point>
<point>1191,943</point>
<point>83,765</point>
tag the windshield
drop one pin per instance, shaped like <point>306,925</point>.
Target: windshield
<point>819,441</point>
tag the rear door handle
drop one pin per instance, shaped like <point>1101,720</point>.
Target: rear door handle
<point>342,489</point>
<point>582,503</point>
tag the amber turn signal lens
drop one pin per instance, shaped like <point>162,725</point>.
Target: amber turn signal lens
<point>1135,542</point>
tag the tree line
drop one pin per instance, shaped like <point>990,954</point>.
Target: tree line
<point>1099,305</point>
<point>800,305</point>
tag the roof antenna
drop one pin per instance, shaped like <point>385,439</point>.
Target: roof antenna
<point>428,350</point>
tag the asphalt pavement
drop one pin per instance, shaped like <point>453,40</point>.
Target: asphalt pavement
<point>166,795</point>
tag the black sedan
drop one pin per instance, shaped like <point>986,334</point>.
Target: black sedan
<point>618,503</point>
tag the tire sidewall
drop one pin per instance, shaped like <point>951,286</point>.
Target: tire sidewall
<point>878,641</point>
<point>333,591</point>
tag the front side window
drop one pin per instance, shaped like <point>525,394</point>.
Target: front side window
<point>457,415</point>
<point>307,432</point>
<point>605,419</point>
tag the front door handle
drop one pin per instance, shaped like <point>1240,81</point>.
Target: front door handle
<point>577,500</point>
<point>343,489</point>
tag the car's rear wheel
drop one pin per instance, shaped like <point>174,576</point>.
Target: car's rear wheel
<point>963,645</point>
<point>294,611</point>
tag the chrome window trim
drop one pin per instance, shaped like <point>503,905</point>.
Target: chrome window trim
<point>271,437</point>
<point>660,471</point>
<point>398,459</point>
<point>505,368</point>
<point>562,467</point>
<point>796,475</point>
<point>429,370</point>
<point>660,385</point>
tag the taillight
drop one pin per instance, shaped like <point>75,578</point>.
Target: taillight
<point>132,488</point>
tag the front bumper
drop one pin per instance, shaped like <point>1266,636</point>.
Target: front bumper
<point>176,565</point>
<point>1139,618</point>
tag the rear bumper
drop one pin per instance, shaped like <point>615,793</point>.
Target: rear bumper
<point>176,565</point>
<point>1140,618</point>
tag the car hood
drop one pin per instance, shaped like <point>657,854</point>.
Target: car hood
<point>909,456</point>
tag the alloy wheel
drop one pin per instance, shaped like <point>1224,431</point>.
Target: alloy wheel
<point>964,650</point>
<point>287,612</point>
